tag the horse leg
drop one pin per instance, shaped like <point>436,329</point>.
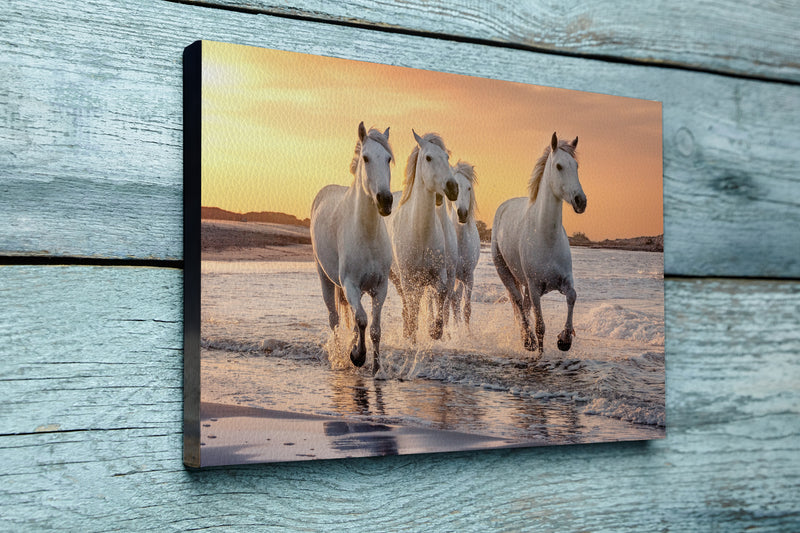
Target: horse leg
<point>565,337</point>
<point>448,297</point>
<point>378,297</point>
<point>358,355</point>
<point>467,285</point>
<point>437,326</point>
<point>526,300</point>
<point>427,297</point>
<point>395,279</point>
<point>411,300</point>
<point>535,298</point>
<point>329,297</point>
<point>517,301</point>
<point>455,300</point>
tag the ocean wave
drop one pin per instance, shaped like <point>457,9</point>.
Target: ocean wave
<point>270,347</point>
<point>616,322</point>
<point>623,410</point>
<point>628,388</point>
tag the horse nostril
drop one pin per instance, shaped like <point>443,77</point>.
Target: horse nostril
<point>451,190</point>
<point>385,201</point>
<point>462,215</point>
<point>580,202</point>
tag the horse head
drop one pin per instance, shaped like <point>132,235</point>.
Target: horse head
<point>432,165</point>
<point>464,174</point>
<point>371,165</point>
<point>561,173</point>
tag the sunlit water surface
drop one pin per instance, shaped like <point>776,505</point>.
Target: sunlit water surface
<point>266,343</point>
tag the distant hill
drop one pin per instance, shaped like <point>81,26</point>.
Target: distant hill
<point>644,244</point>
<point>215,213</point>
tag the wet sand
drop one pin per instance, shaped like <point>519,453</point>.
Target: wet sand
<point>233,434</point>
<point>224,240</point>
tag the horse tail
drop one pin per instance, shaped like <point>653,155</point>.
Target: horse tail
<point>343,308</point>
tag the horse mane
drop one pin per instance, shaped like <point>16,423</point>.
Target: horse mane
<point>468,171</point>
<point>538,169</point>
<point>376,136</point>
<point>411,165</point>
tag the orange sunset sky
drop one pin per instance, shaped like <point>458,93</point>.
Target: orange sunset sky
<point>278,126</point>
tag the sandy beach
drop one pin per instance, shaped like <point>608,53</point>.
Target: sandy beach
<point>233,434</point>
<point>226,240</point>
<point>233,240</point>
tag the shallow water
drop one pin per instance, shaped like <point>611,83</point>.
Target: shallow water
<point>266,343</point>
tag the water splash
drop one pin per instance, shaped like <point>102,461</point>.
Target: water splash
<point>615,369</point>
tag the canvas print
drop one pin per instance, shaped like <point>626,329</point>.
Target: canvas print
<point>384,260</point>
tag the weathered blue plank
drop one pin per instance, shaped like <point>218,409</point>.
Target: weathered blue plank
<point>741,38</point>
<point>91,163</point>
<point>91,358</point>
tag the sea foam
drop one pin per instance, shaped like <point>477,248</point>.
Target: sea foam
<point>616,322</point>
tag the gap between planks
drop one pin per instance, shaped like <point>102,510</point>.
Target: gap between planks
<point>485,42</point>
<point>178,264</point>
<point>55,260</point>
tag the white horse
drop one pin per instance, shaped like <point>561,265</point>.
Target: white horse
<point>529,245</point>
<point>418,240</point>
<point>352,249</point>
<point>462,215</point>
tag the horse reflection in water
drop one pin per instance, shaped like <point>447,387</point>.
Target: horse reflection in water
<point>352,396</point>
<point>375,439</point>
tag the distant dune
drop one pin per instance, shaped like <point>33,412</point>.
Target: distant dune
<point>215,213</point>
<point>229,240</point>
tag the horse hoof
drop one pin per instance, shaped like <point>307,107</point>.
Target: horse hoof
<point>530,344</point>
<point>564,342</point>
<point>358,358</point>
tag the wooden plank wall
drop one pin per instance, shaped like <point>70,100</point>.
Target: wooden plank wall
<point>91,343</point>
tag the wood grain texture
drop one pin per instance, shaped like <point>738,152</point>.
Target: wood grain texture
<point>91,136</point>
<point>90,436</point>
<point>740,38</point>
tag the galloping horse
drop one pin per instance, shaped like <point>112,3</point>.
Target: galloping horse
<point>529,245</point>
<point>352,249</point>
<point>462,215</point>
<point>418,241</point>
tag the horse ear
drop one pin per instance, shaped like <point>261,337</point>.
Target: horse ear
<point>386,133</point>
<point>417,138</point>
<point>574,143</point>
<point>554,143</point>
<point>362,131</point>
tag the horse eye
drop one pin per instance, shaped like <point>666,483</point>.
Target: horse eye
<point>558,166</point>
<point>366,159</point>
<point>427,158</point>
